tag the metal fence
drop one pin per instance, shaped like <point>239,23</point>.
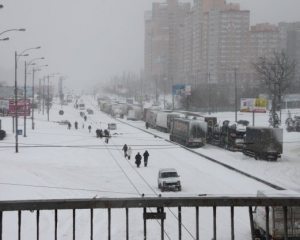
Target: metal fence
<point>144,203</point>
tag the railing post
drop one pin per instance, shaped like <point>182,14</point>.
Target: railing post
<point>127,224</point>
<point>267,224</point>
<point>109,223</point>
<point>232,223</point>
<point>197,223</point>
<point>74,223</point>
<point>37,224</point>
<point>162,225</point>
<point>1,216</point>
<point>251,223</point>
<point>55,224</point>
<point>145,225</point>
<point>179,223</point>
<point>19,224</point>
<point>215,222</point>
<point>285,223</point>
<point>92,226</point>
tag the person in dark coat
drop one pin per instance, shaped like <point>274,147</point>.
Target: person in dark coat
<point>106,133</point>
<point>69,125</point>
<point>76,125</point>
<point>101,133</point>
<point>89,128</point>
<point>85,117</point>
<point>125,148</point>
<point>98,133</point>
<point>146,155</point>
<point>138,159</point>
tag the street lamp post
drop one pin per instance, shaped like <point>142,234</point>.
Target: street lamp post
<point>209,93</point>
<point>32,115</point>
<point>48,99</point>
<point>25,89</point>
<point>16,91</point>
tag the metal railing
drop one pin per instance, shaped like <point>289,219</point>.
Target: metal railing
<point>143,203</point>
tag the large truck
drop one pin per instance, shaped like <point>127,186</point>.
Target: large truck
<point>134,112</point>
<point>276,218</point>
<point>263,143</point>
<point>151,118</point>
<point>189,133</point>
<point>165,119</point>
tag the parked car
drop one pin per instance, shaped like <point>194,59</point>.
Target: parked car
<point>2,134</point>
<point>112,126</point>
<point>63,122</point>
<point>168,178</point>
<point>90,111</point>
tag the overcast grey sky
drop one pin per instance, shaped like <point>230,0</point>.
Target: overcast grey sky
<point>92,40</point>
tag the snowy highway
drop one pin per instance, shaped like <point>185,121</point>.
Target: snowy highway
<point>54,163</point>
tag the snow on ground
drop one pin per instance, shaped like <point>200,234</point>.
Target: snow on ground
<point>56,163</point>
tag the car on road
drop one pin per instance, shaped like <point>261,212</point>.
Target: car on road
<point>63,122</point>
<point>2,134</point>
<point>168,179</point>
<point>112,126</point>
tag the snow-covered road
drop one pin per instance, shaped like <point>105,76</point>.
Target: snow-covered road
<point>54,162</point>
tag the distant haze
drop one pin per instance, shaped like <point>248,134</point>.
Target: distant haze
<point>92,40</point>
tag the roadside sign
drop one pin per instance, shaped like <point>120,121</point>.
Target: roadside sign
<point>21,107</point>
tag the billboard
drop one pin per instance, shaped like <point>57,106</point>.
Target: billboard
<point>258,105</point>
<point>4,106</point>
<point>21,92</point>
<point>182,89</point>
<point>21,107</point>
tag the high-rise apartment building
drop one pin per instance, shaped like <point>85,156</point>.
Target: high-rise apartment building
<point>162,42</point>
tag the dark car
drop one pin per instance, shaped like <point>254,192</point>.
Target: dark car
<point>2,134</point>
<point>90,111</point>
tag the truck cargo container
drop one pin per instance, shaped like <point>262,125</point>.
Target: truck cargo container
<point>190,133</point>
<point>151,118</point>
<point>276,218</point>
<point>134,113</point>
<point>263,143</point>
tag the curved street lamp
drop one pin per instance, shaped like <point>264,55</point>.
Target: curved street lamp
<point>34,70</point>
<point>4,39</point>
<point>17,56</point>
<point>21,29</point>
<point>48,100</point>
<point>25,88</point>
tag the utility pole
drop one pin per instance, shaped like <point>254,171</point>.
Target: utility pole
<point>16,102</point>
<point>25,110</point>
<point>235,89</point>
<point>40,87</point>
<point>172,94</point>
<point>209,93</point>
<point>33,104</point>
<point>43,95</point>
<point>48,100</point>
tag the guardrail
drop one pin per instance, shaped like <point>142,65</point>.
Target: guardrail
<point>143,203</point>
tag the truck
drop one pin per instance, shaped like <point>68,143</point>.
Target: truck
<point>189,133</point>
<point>276,218</point>
<point>263,143</point>
<point>151,118</point>
<point>164,120</point>
<point>134,113</point>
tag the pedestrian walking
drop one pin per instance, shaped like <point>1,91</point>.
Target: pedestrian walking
<point>69,125</point>
<point>76,125</point>
<point>89,127</point>
<point>138,159</point>
<point>129,151</point>
<point>125,148</point>
<point>83,126</point>
<point>146,155</point>
<point>85,118</point>
<point>107,138</point>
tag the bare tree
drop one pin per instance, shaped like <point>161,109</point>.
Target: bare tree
<point>276,75</point>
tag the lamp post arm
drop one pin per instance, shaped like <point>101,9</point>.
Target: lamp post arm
<point>19,55</point>
<point>10,30</point>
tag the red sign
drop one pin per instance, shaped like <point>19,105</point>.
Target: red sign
<point>21,103</point>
